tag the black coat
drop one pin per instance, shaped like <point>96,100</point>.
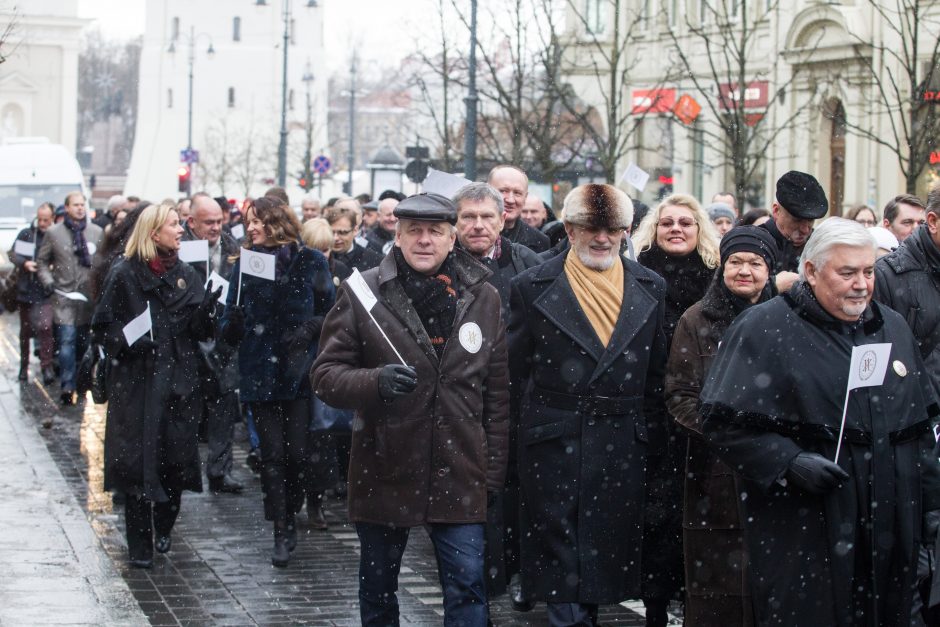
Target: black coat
<point>587,416</point>
<point>29,289</point>
<point>788,257</point>
<point>513,260</point>
<point>380,240</point>
<point>151,437</point>
<point>359,258</point>
<point>522,233</point>
<point>776,388</point>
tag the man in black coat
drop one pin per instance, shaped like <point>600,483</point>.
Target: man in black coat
<point>345,224</point>
<point>218,369</point>
<point>587,355</point>
<point>908,281</point>
<point>34,304</point>
<point>382,235</point>
<point>828,543</point>
<point>800,201</point>
<point>513,184</point>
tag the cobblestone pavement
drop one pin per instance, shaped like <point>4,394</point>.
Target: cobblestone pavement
<point>218,571</point>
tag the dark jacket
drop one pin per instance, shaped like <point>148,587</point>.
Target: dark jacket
<point>230,249</point>
<point>151,438</point>
<point>776,388</point>
<point>359,258</point>
<point>431,456</point>
<point>717,592</point>
<point>588,416</point>
<point>522,233</point>
<point>513,260</point>
<point>380,240</point>
<point>788,257</point>
<point>908,281</point>
<point>282,327</point>
<point>29,289</point>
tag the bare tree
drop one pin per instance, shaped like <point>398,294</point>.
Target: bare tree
<point>904,76</point>
<point>253,155</point>
<point>720,47</point>
<point>7,31</point>
<point>216,167</point>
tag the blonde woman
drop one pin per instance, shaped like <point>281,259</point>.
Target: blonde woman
<point>678,241</point>
<point>151,439</point>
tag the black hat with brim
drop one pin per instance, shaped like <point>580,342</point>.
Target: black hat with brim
<point>427,207</point>
<point>802,195</point>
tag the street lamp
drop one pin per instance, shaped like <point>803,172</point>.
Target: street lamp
<point>307,79</point>
<point>210,51</point>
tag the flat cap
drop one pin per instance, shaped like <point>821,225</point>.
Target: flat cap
<point>372,205</point>
<point>720,210</point>
<point>802,195</point>
<point>425,206</point>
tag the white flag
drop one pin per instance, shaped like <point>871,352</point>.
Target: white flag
<point>238,231</point>
<point>73,295</point>
<point>257,264</point>
<point>138,327</point>
<point>361,289</point>
<point>443,183</point>
<point>869,364</point>
<point>194,251</point>
<point>216,280</point>
<point>635,177</point>
<point>26,249</point>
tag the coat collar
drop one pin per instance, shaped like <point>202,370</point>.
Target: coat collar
<point>800,298</point>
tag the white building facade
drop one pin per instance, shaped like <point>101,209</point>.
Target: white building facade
<point>235,51</point>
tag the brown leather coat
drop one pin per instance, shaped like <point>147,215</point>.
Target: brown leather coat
<point>431,456</point>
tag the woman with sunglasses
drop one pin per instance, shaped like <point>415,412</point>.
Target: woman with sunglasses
<point>678,241</point>
<point>276,325</point>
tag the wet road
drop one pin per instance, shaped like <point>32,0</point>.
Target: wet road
<point>218,571</point>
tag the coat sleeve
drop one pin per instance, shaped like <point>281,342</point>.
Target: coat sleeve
<point>496,411</point>
<point>685,373</point>
<point>44,261</point>
<point>654,406</point>
<point>336,375</point>
<point>883,292</point>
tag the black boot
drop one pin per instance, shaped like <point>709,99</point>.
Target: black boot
<point>280,556</point>
<point>315,512</point>
<point>24,370</point>
<point>291,533</point>
<point>656,615</point>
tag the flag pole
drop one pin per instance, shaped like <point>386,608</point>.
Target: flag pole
<point>845,411</point>
<point>151,320</point>
<point>382,331</point>
<point>238,297</point>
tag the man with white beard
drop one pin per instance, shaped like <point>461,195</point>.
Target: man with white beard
<point>587,358</point>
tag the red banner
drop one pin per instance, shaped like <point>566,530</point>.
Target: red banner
<point>687,109</point>
<point>653,100</point>
<point>755,95</point>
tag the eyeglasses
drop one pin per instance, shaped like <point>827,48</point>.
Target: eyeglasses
<point>342,232</point>
<point>668,223</point>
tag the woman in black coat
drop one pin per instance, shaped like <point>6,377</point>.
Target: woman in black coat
<point>677,241</point>
<point>151,436</point>
<point>276,325</point>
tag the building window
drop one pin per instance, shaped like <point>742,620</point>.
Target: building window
<point>169,98</point>
<point>673,10</point>
<point>236,29</point>
<point>290,99</point>
<point>175,28</point>
<point>704,12</point>
<point>231,97</point>
<point>594,16</point>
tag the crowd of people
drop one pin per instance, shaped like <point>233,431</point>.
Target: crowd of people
<point>608,402</point>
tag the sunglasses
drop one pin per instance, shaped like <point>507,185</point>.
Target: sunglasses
<point>668,223</point>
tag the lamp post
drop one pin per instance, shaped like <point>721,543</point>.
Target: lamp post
<point>308,153</point>
<point>191,58</point>
<point>352,123</point>
<point>470,143</point>
<point>282,145</point>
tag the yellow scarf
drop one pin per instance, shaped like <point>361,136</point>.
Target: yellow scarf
<point>599,292</point>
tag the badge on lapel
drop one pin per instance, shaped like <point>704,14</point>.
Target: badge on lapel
<point>470,336</point>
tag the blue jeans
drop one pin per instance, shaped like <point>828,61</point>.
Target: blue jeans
<point>72,343</point>
<point>459,551</point>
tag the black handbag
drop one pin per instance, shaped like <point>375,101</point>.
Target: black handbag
<point>8,297</point>
<point>93,373</point>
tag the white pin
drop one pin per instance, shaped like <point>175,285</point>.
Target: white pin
<point>471,337</point>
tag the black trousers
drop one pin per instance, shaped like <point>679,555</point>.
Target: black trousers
<point>222,411</point>
<point>322,466</point>
<point>282,428</point>
<point>142,518</point>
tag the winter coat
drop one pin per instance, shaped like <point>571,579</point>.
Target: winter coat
<point>717,593</point>
<point>776,388</point>
<point>431,456</point>
<point>152,431</point>
<point>282,327</point>
<point>359,258</point>
<point>522,233</point>
<point>908,281</point>
<point>59,269</point>
<point>29,289</point>
<point>588,416</point>
<point>515,259</point>
<point>380,240</point>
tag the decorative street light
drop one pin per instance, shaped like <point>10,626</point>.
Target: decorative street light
<point>192,40</point>
<point>307,79</point>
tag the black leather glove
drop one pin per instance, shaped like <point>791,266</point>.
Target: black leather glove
<point>235,325</point>
<point>396,380</point>
<point>143,346</point>
<point>201,321</point>
<point>931,525</point>
<point>814,473</point>
<point>210,301</point>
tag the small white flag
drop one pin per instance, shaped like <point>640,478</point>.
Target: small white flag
<point>361,289</point>
<point>635,177</point>
<point>195,251</point>
<point>26,249</point>
<point>138,327</point>
<point>238,231</point>
<point>73,296</point>
<point>216,280</point>
<point>257,264</point>
<point>443,183</point>
<point>869,364</point>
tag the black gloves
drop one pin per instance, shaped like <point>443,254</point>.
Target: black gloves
<point>396,380</point>
<point>143,346</point>
<point>814,473</point>
<point>201,322</point>
<point>234,329</point>
<point>209,301</point>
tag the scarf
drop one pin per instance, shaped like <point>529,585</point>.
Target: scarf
<point>164,261</point>
<point>687,278</point>
<point>599,292</point>
<point>78,241</point>
<point>434,297</point>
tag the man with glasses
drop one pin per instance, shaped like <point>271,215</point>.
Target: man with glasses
<point>587,355</point>
<point>513,184</point>
<point>903,214</point>
<point>345,224</point>
<point>799,203</point>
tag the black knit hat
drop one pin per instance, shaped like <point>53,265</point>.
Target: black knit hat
<point>749,239</point>
<point>802,195</point>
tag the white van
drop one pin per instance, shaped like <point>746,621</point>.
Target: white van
<point>33,171</point>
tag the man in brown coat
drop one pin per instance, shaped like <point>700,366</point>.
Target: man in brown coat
<point>430,438</point>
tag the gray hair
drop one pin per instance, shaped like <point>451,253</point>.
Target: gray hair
<point>310,197</point>
<point>830,233</point>
<point>115,201</point>
<point>478,192</point>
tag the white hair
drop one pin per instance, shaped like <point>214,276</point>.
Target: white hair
<point>115,201</point>
<point>310,197</point>
<point>830,233</point>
